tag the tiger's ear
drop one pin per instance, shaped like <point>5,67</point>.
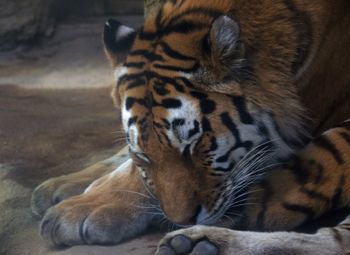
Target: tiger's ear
<point>227,51</point>
<point>118,40</point>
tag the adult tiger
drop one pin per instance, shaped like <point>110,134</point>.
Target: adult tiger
<point>213,95</point>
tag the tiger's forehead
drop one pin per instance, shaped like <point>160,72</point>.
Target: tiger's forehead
<point>154,82</point>
<point>169,109</point>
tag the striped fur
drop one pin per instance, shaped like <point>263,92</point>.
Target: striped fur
<point>316,181</point>
<point>213,96</point>
<point>191,92</point>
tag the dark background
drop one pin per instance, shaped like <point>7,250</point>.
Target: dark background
<point>26,21</point>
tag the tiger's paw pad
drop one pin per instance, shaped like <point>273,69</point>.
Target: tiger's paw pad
<point>181,244</point>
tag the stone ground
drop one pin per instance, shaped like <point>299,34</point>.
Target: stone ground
<point>56,117</point>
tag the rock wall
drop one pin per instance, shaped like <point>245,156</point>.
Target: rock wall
<point>25,20</point>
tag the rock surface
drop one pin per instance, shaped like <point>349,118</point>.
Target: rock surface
<point>56,117</point>
<point>27,20</point>
<point>24,20</point>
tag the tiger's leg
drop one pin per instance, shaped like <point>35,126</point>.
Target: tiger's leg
<point>55,190</point>
<point>112,209</point>
<point>317,181</point>
<point>203,240</point>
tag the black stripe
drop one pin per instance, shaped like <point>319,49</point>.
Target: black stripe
<point>297,142</point>
<point>159,19</point>
<point>228,122</point>
<point>183,27</point>
<point>300,172</point>
<point>186,82</point>
<point>206,125</point>
<point>131,77</point>
<point>213,144</point>
<point>194,130</point>
<point>199,10</point>
<point>135,64</point>
<point>177,123</point>
<point>241,107</point>
<point>175,54</point>
<point>206,45</point>
<point>135,84</point>
<point>345,136</point>
<point>324,143</point>
<point>171,103</point>
<point>306,210</point>
<point>178,87</point>
<point>320,171</point>
<point>143,124</point>
<point>187,153</point>
<point>167,139</point>
<point>315,195</point>
<point>178,68</point>
<point>147,36</point>
<point>130,101</point>
<point>132,121</point>
<point>303,28</point>
<point>148,55</point>
<point>151,75</point>
<point>159,138</point>
<point>262,129</point>
<point>160,89</point>
<point>198,95</point>
<point>157,124</point>
<point>207,106</point>
<point>224,158</point>
<point>166,123</point>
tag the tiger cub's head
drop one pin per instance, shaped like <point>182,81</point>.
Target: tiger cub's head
<point>201,120</point>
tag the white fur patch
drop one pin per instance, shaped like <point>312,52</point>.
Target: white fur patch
<point>123,31</point>
<point>189,112</point>
<point>126,115</point>
<point>120,71</point>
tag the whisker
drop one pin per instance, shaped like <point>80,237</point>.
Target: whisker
<point>134,192</point>
<point>147,189</point>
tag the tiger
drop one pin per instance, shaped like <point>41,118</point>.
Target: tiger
<point>229,109</point>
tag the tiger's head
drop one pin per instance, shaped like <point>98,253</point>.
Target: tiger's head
<point>204,109</point>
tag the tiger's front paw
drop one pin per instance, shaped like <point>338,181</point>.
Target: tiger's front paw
<point>55,190</point>
<point>114,208</point>
<point>79,220</point>
<point>197,240</point>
